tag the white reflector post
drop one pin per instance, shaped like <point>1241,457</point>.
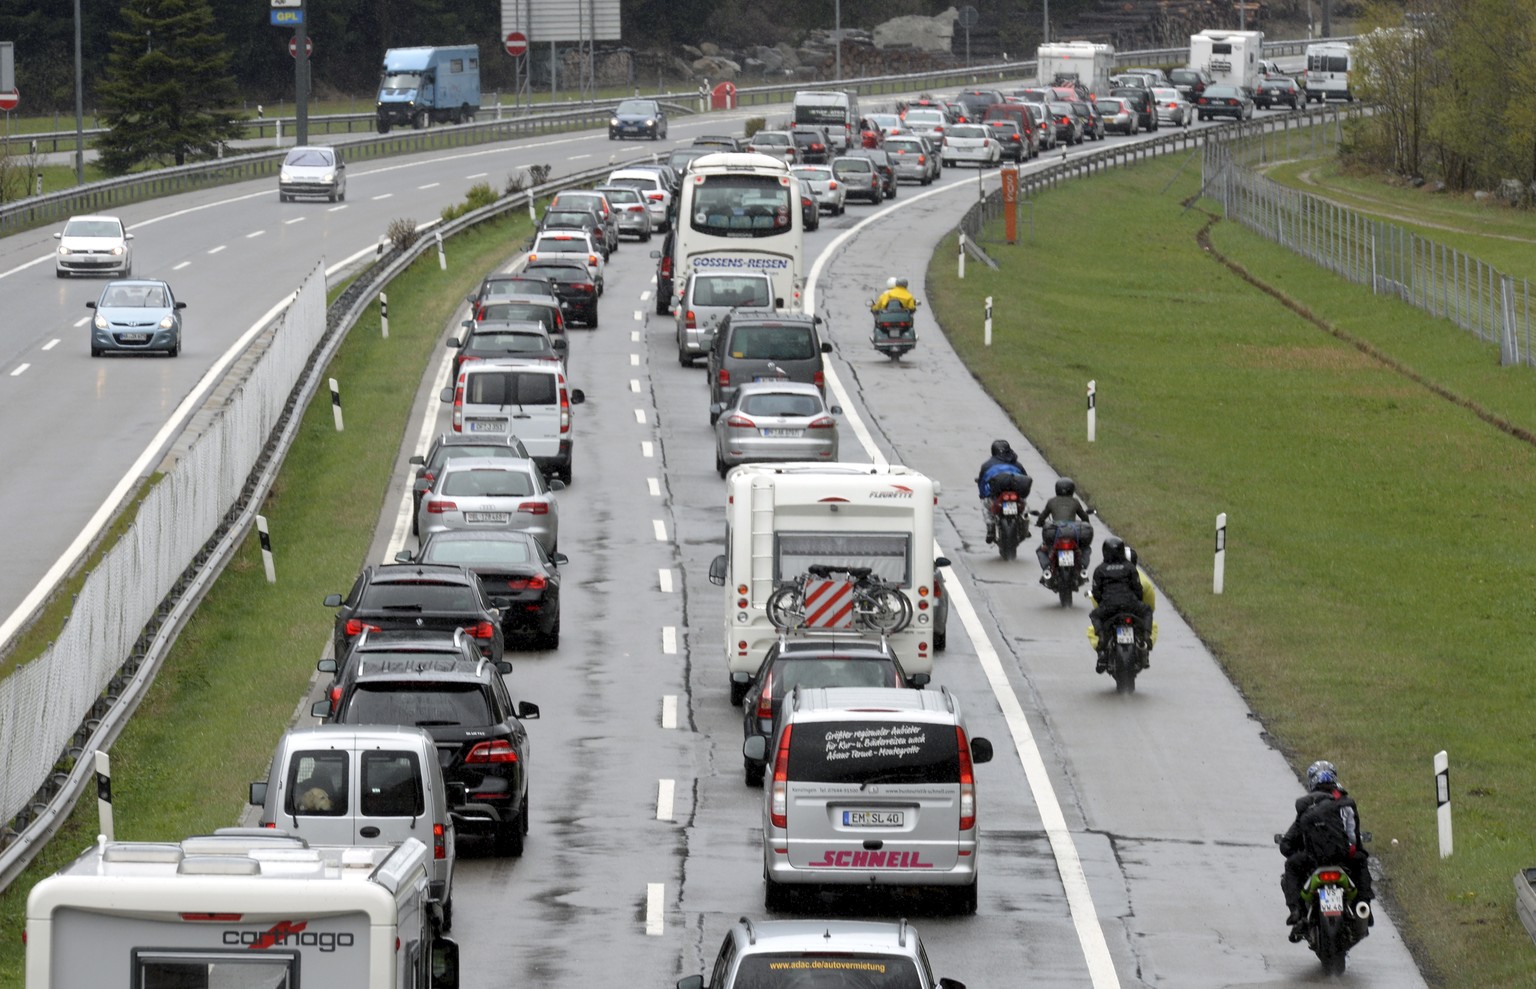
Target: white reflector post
<point>266,548</point>
<point>962,254</point>
<point>336,404</point>
<point>1221,553</point>
<point>384,315</point>
<point>1443,800</point>
<point>442,259</point>
<point>104,792</point>
<point>1093,411</point>
<point>987,324</point>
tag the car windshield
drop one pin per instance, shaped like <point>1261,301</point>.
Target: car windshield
<point>477,552</point>
<point>134,296</point>
<point>637,107</point>
<point>966,131</point>
<point>93,228</point>
<point>397,703</point>
<point>487,482</point>
<point>826,970</point>
<point>780,404</point>
<point>317,157</point>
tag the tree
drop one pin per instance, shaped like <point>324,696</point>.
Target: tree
<point>168,92</point>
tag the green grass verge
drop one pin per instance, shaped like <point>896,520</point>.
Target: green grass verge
<point>210,722</point>
<point>1380,543</point>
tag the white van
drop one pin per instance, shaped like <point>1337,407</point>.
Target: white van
<point>870,786</point>
<point>1329,64</point>
<point>363,785</point>
<point>529,400</point>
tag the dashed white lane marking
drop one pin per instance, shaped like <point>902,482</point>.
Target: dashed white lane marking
<point>254,234</point>
<point>337,209</point>
<point>654,893</point>
<point>634,360</point>
<point>654,484</point>
<point>297,219</point>
<point>640,416</point>
<point>664,578</point>
<point>669,640</point>
<point>51,344</point>
<point>645,296</point>
<point>477,175</point>
<point>639,315</point>
<point>665,791</point>
<point>178,267</point>
<point>669,712</point>
<point>576,157</point>
<point>647,449</point>
<point>634,336</point>
<point>429,185</point>
<point>634,385</point>
<point>82,321</point>
<point>215,250</point>
<point>19,370</point>
<point>660,529</point>
<point>387,195</point>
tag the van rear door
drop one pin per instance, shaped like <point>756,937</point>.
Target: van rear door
<point>874,796</point>
<point>391,798</point>
<point>525,401</point>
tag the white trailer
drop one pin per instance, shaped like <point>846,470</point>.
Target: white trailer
<point>1231,57</point>
<point>238,909</point>
<point>1077,61</point>
<point>781,518</point>
<point>1327,77</point>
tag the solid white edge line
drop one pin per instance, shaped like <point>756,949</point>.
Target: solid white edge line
<point>669,640</point>
<point>1085,918</point>
<point>666,795</point>
<point>654,908</point>
<point>669,712</point>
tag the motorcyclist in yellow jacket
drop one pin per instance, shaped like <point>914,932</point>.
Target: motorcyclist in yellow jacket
<point>895,291</point>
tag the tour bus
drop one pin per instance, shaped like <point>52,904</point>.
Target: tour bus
<point>781,518</point>
<point>742,212</point>
<point>837,111</point>
<point>1329,64</point>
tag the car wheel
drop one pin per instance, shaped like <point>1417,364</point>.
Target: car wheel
<point>331,198</point>
<point>282,197</point>
<point>95,351</point>
<point>549,640</point>
<point>661,304</point>
<point>754,773</point>
<point>738,691</point>
<point>508,837</point>
<point>564,473</point>
<point>721,467</point>
<point>963,898</point>
<point>941,640</point>
<point>683,358</point>
<point>645,238</point>
<point>776,896</point>
<point>175,350</point>
<point>341,196</point>
<point>60,273</point>
<point>448,915</point>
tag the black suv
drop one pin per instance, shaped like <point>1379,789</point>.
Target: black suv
<point>1190,82</point>
<point>1143,102</point>
<point>411,596</point>
<point>470,714</point>
<point>764,345</point>
<point>573,286</point>
<point>395,645</point>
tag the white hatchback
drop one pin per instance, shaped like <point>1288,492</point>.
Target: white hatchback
<point>94,245</point>
<point>652,187</point>
<point>829,192</point>
<point>973,144</point>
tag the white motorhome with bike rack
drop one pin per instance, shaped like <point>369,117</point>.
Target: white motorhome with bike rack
<point>240,907</point>
<point>1231,57</point>
<point>782,518</point>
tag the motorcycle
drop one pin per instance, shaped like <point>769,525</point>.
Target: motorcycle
<point>1125,652</point>
<point>1334,918</point>
<point>1010,520</point>
<point>895,330</point>
<point>1066,558</point>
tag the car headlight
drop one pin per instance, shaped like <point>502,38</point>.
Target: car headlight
<point>650,123</point>
<point>64,251</point>
<point>118,250</point>
<point>167,322</point>
<point>285,176</point>
<point>100,322</point>
<point>328,177</point>
<point>614,122</point>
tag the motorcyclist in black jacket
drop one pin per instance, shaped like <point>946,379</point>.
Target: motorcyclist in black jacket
<point>1117,590</point>
<point>1324,795</point>
<point>1063,508</point>
<point>1002,461</point>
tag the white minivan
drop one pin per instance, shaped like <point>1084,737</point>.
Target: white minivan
<point>529,400</point>
<point>707,298</point>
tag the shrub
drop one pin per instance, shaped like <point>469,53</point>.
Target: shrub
<point>754,124</point>
<point>540,173</point>
<point>402,233</point>
<point>516,182</point>
<point>480,194</point>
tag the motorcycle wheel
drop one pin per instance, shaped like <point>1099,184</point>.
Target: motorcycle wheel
<point>1330,954</point>
<point>784,607</point>
<point>1125,667</point>
<point>1008,541</point>
<point>1064,593</point>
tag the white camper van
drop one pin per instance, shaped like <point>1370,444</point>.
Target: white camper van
<point>1077,61</point>
<point>1231,57</point>
<point>1329,64</point>
<point>240,907</point>
<point>783,518</point>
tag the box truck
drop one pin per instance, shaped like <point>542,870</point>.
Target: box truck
<point>240,907</point>
<point>1077,61</point>
<point>782,518</point>
<point>1231,57</point>
<point>423,86</point>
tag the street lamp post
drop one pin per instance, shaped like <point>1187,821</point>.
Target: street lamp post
<point>837,39</point>
<point>79,106</point>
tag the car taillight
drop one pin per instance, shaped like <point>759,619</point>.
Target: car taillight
<point>466,360</point>
<point>724,378</point>
<point>438,506</point>
<point>483,630</point>
<point>533,508</point>
<point>592,260</point>
<point>584,287</point>
<point>565,409</point>
<point>820,381</point>
<point>666,267</point>
<point>967,783</point>
<point>825,422</point>
<point>533,257</point>
<point>497,750</point>
<point>778,807</point>
<point>357,626</point>
<point>740,422</point>
<point>439,841</point>
<point>655,197</point>
<point>690,321</point>
<point>923,159</point>
<point>765,699</point>
<point>335,699</point>
<point>831,184</point>
<point>534,583</point>
<point>458,409</point>
<point>1017,137</point>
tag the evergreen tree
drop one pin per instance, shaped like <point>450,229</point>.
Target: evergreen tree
<point>168,90</point>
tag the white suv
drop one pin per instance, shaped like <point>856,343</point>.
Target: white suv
<point>820,954</point>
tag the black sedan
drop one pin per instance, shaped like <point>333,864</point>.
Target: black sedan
<point>1224,101</point>
<point>448,445</point>
<point>1275,90</point>
<point>519,577</point>
<point>638,118</point>
<point>812,662</point>
<point>394,596</point>
<point>573,286</point>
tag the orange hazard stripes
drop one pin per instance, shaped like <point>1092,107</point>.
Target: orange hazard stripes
<point>828,603</point>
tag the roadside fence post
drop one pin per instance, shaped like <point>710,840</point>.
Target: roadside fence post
<point>1443,800</point>
<point>1220,578</point>
<point>336,404</point>
<point>265,538</point>
<point>1093,411</point>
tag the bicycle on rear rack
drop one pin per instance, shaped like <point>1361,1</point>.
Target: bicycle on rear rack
<point>820,599</point>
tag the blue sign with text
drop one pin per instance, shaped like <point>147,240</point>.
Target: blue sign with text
<point>288,18</point>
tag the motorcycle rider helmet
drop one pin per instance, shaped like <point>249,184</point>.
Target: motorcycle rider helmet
<point>1321,774</point>
<point>1114,549</point>
<point>901,283</point>
<point>1064,486</point>
<point>1000,448</point>
<point>890,283</point>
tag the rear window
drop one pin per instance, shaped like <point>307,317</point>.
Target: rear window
<point>892,751</point>
<point>508,312</point>
<point>478,552</point>
<point>563,274</point>
<point>725,291</point>
<point>781,405</point>
<point>845,165</point>
<point>414,596</point>
<point>834,672</point>
<point>774,343</point>
<point>510,387</point>
<point>317,783</point>
<point>1110,106</point>
<point>455,450</point>
<point>826,970</point>
<point>887,554</point>
<point>422,704</point>
<point>484,482</point>
<point>511,340</point>
<point>391,784</point>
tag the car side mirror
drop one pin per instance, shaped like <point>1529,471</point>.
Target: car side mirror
<point>756,749</point>
<point>446,395</point>
<point>445,963</point>
<point>742,677</point>
<point>527,711</point>
<point>128,236</point>
<point>715,408</point>
<point>468,324</point>
<point>419,460</point>
<point>58,236</point>
<point>578,396</point>
<point>654,254</point>
<point>560,343</point>
<point>457,794</point>
<point>326,666</point>
<point>90,305</point>
<point>258,794</point>
<point>981,750</point>
<point>943,984</point>
<point>469,299</point>
<point>181,305</point>
<point>454,342</point>
<point>555,484</point>
<point>320,709</point>
<point>405,556</point>
<point>559,559</point>
<point>826,348</point>
<point>778,302</point>
<point>919,680</point>
<point>503,667</point>
<point>836,410</point>
<point>332,601</point>
<point>717,571</point>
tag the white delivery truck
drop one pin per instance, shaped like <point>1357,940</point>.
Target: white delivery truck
<point>782,518</point>
<point>1231,57</point>
<point>1329,64</point>
<point>1077,61</point>
<point>235,909</point>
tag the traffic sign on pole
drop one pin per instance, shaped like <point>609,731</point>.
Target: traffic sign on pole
<point>9,101</point>
<point>309,46</point>
<point>516,44</point>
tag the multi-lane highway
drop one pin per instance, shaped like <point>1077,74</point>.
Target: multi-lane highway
<point>1126,839</point>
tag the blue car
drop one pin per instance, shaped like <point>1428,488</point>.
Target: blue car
<point>638,118</point>
<point>136,315</point>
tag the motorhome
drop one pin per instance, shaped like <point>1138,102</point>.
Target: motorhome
<point>1329,64</point>
<point>1077,61</point>
<point>1231,57</point>
<point>782,518</point>
<point>240,907</point>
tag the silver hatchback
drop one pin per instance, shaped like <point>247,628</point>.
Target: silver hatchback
<point>821,954</point>
<point>480,493</point>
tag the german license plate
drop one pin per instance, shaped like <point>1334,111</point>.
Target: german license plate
<point>781,434</point>
<point>497,517</point>
<point>873,818</point>
<point>768,377</point>
<point>487,426</point>
<point>1066,558</point>
<point>1125,635</point>
<point>1010,508</point>
<point>133,337</point>
<point>1330,899</point>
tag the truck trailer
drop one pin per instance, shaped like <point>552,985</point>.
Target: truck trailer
<point>423,86</point>
<point>1083,62</point>
<point>240,907</point>
<point>1231,57</point>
